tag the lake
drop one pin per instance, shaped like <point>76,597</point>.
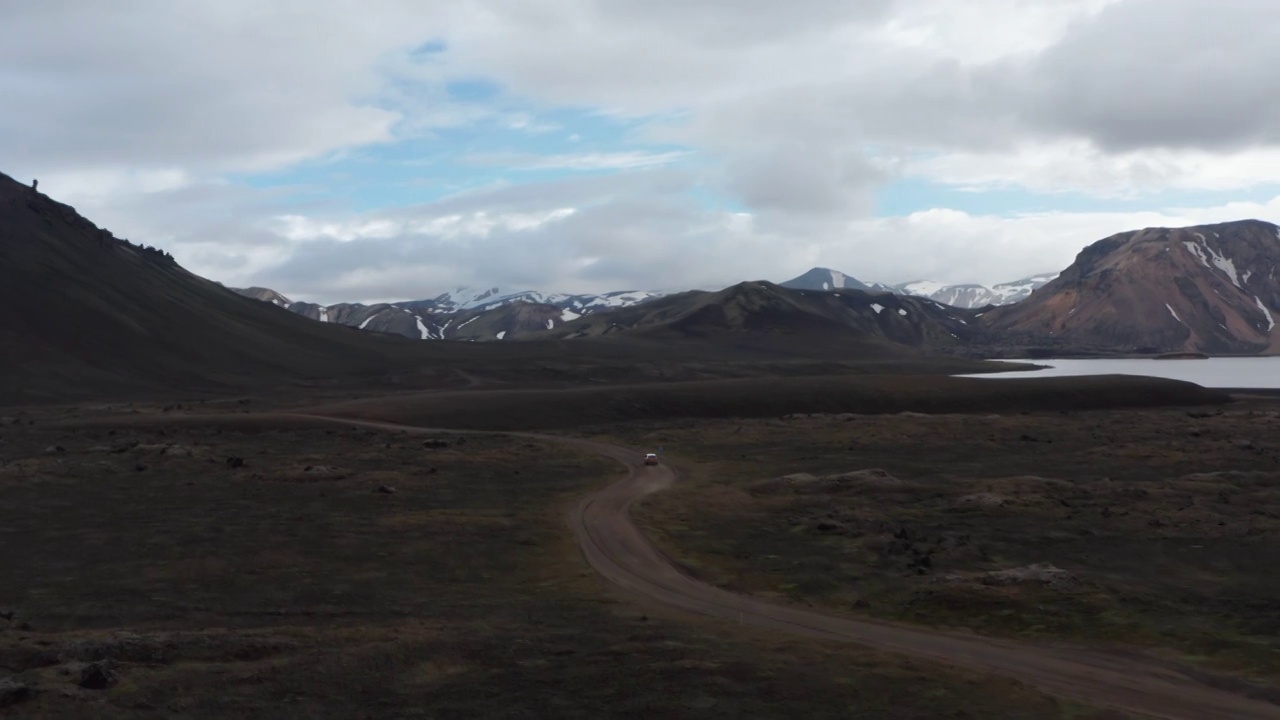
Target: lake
<point>1226,372</point>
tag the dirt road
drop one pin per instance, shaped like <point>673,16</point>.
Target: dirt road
<point>617,549</point>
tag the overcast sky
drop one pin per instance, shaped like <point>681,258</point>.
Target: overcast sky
<point>336,152</point>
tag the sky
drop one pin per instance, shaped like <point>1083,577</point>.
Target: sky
<point>335,150</point>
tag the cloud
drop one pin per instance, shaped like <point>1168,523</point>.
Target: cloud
<point>585,161</point>
<point>796,116</point>
<point>1164,74</point>
<point>230,86</point>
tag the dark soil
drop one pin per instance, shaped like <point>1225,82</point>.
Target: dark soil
<point>185,570</point>
<point>1154,528</point>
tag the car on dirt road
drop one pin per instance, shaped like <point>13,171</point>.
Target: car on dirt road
<point>651,459</point>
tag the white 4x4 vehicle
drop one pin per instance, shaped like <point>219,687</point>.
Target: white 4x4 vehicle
<point>650,459</point>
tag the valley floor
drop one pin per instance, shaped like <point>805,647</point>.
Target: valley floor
<point>1145,528</point>
<point>237,563</point>
<point>147,558</point>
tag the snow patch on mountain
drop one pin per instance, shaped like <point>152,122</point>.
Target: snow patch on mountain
<point>1194,249</point>
<point>1271,321</point>
<point>972,295</point>
<point>1171,312</point>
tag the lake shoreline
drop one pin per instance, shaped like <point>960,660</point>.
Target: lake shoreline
<point>1237,374</point>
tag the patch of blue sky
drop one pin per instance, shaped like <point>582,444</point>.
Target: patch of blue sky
<point>906,196</point>
<point>500,140</point>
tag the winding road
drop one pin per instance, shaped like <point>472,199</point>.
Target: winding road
<point>619,551</point>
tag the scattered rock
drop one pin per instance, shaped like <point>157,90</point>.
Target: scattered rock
<point>841,482</point>
<point>54,450</point>
<point>140,467</point>
<point>317,470</point>
<point>983,499</point>
<point>235,462</point>
<point>1027,438</point>
<point>1244,444</point>
<point>120,647</point>
<point>98,675</point>
<point>13,692</point>
<point>435,443</point>
<point>386,489</point>
<point>871,477</point>
<point>1039,572</point>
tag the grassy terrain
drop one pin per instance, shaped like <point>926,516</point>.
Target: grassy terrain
<point>918,389</point>
<point>1150,527</point>
<point>291,586</point>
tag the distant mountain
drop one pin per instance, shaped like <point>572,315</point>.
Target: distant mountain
<point>461,299</point>
<point>963,296</point>
<point>461,314</point>
<point>828,279</point>
<point>266,295</point>
<point>764,312</point>
<point>1209,288</point>
<point>976,296</point>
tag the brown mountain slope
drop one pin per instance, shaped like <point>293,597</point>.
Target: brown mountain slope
<point>1209,288</point>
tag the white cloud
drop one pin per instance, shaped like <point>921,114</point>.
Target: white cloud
<point>798,112</point>
<point>1081,167</point>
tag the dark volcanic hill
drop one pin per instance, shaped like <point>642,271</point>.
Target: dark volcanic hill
<point>1210,289</point>
<point>827,279</point>
<point>761,312</point>
<point>98,314</point>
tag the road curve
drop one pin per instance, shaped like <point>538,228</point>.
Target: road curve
<point>620,552</point>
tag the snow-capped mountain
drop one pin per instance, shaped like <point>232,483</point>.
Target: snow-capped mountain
<point>461,314</point>
<point>974,295</point>
<point>966,296</point>
<point>462,298</point>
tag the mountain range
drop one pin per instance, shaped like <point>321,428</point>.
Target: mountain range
<point>962,296</point>
<point>461,314</point>
<point>102,313</point>
<point>493,314</point>
<point>1204,289</point>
